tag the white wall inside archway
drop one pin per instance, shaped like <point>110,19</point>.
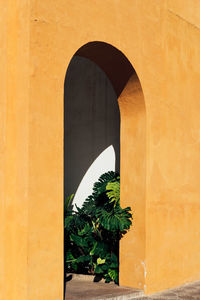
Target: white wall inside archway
<point>103,163</point>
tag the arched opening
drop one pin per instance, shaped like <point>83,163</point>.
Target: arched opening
<point>101,87</point>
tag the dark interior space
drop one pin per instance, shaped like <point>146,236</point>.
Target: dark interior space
<point>92,120</point>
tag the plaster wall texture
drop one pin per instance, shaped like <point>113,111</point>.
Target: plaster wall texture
<point>133,183</point>
<point>14,166</point>
<point>38,38</point>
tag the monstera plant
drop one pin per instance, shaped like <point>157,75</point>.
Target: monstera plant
<point>92,232</point>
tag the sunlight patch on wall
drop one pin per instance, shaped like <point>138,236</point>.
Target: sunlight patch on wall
<point>103,163</point>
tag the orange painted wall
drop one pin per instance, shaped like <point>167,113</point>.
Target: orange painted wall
<point>133,182</point>
<point>38,38</point>
<point>14,163</point>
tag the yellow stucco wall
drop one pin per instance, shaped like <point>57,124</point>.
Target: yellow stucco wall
<point>38,38</point>
<point>133,182</point>
<point>14,163</point>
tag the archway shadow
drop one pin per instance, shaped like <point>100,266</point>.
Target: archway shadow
<point>92,120</point>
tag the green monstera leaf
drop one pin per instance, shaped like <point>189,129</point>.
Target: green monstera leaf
<point>116,219</point>
<point>113,273</point>
<point>113,192</point>
<point>100,185</point>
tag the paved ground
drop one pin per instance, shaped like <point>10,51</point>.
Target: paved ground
<point>77,289</point>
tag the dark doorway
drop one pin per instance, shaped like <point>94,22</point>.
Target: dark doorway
<point>92,127</point>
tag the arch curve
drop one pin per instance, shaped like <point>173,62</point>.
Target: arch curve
<point>111,60</point>
<point>131,102</point>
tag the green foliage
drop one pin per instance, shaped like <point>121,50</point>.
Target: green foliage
<point>113,191</point>
<point>116,219</point>
<point>92,233</point>
<point>68,202</point>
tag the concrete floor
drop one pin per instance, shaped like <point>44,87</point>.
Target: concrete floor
<point>78,288</point>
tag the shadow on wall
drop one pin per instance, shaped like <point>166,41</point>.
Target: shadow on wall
<point>91,127</point>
